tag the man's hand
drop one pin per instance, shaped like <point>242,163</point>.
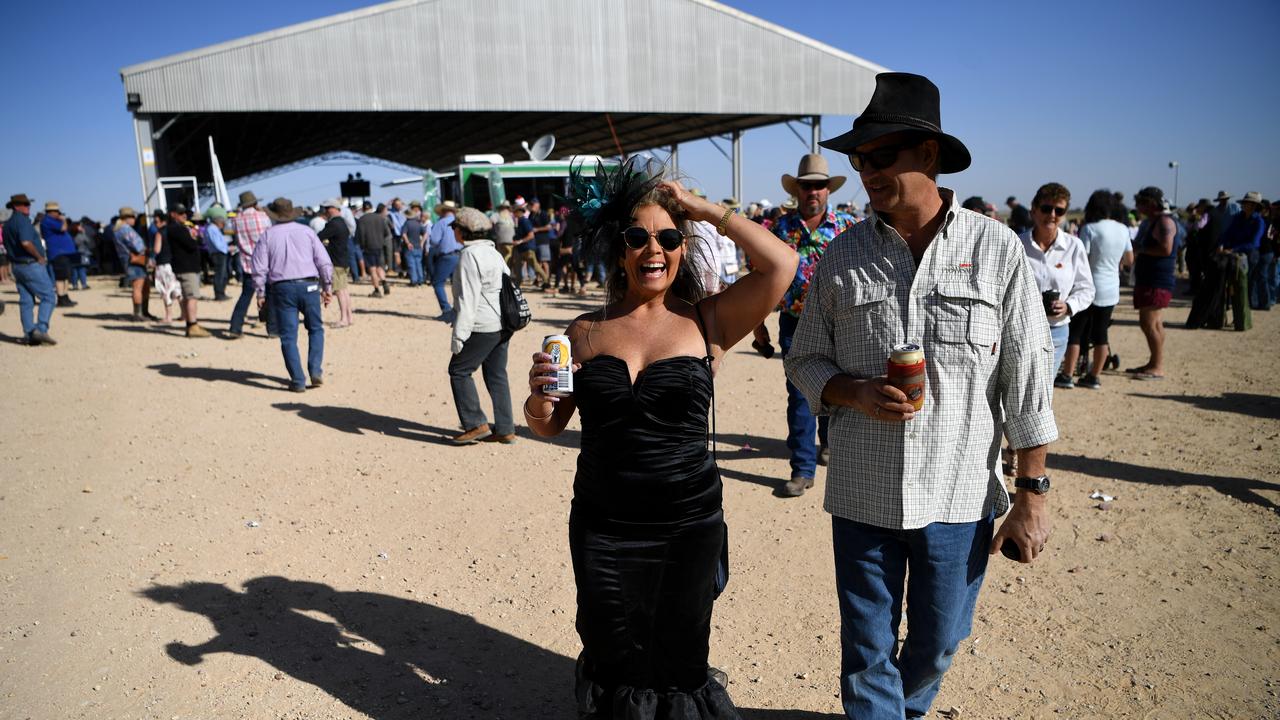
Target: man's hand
<point>262,301</point>
<point>325,297</point>
<point>1027,525</point>
<point>1058,310</point>
<point>874,397</point>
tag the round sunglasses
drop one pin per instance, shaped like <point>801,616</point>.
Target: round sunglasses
<point>637,238</point>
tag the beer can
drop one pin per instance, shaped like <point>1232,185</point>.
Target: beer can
<point>557,346</point>
<point>906,372</point>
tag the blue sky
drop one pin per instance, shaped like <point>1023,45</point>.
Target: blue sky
<point>1090,94</point>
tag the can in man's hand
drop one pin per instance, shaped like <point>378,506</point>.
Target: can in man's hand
<point>557,346</point>
<point>906,372</point>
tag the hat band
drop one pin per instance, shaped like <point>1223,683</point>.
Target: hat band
<point>894,118</point>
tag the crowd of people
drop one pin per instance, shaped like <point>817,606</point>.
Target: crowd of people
<point>1020,305</point>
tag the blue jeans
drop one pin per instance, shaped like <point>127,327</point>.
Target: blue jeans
<point>442,268</point>
<point>1261,274</point>
<point>1059,335</point>
<point>219,261</point>
<point>356,253</point>
<point>800,421</point>
<point>878,679</point>
<point>289,298</point>
<point>247,293</point>
<point>33,282</point>
<point>80,275</point>
<point>414,259</point>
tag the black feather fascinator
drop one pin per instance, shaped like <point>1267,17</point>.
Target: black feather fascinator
<point>604,201</point>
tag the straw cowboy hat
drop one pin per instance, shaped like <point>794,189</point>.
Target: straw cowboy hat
<point>903,102</point>
<point>730,203</point>
<point>127,212</point>
<point>1252,196</point>
<point>282,210</point>
<point>52,206</point>
<point>446,205</point>
<point>248,199</point>
<point>813,167</point>
<point>1222,195</point>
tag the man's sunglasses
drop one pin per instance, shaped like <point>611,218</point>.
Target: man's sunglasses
<point>881,158</point>
<point>637,238</point>
<point>813,184</point>
<point>1047,208</point>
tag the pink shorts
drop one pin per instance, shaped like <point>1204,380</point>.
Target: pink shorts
<point>1151,298</point>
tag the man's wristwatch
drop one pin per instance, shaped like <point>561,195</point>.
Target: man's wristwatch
<point>1037,485</point>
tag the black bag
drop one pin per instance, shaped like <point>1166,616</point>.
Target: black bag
<point>513,309</point>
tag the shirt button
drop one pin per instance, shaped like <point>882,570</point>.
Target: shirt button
<point>911,435</point>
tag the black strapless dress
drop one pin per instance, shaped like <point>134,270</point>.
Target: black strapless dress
<point>646,533</point>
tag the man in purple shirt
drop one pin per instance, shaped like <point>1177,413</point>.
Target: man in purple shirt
<point>292,267</point>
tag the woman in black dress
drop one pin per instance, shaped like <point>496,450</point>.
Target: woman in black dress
<point>646,530</point>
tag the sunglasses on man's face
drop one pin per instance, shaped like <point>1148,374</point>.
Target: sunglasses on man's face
<point>813,184</point>
<point>1054,209</point>
<point>882,158</point>
<point>637,238</point>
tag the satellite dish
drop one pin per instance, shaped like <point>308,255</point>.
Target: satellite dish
<point>541,149</point>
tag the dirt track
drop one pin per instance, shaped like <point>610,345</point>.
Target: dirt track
<point>388,575</point>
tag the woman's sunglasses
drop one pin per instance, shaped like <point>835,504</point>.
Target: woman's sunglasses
<point>881,158</point>
<point>637,237</point>
<point>1047,208</point>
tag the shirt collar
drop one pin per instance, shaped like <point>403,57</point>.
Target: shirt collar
<point>948,199</point>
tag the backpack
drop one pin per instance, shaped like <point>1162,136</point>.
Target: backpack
<point>513,309</point>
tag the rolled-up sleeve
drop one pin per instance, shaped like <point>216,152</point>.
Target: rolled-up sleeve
<point>1082,290</point>
<point>320,256</point>
<point>1026,361</point>
<point>810,363</point>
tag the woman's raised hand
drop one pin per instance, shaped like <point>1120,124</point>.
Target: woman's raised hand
<point>697,208</point>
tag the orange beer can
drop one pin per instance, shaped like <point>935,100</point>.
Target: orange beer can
<point>906,372</point>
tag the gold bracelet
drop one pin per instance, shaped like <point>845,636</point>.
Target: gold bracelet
<point>525,406</point>
<point>724,221</point>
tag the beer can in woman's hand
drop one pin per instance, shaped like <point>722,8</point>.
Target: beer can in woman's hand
<point>906,372</point>
<point>557,346</point>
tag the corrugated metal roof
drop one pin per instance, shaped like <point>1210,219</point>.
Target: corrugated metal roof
<point>623,56</point>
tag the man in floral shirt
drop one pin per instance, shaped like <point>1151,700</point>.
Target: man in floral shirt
<point>809,229</point>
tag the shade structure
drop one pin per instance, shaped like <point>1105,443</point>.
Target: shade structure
<point>423,82</point>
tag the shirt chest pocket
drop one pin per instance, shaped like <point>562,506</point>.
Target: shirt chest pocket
<point>964,316</point>
<point>866,313</point>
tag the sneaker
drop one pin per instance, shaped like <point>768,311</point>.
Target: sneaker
<point>795,487</point>
<point>824,455</point>
<point>473,436</point>
<point>195,331</point>
<point>1063,381</point>
<point>40,337</point>
<point>1090,382</point>
<point>376,293</point>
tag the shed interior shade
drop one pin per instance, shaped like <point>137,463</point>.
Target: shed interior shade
<point>248,143</point>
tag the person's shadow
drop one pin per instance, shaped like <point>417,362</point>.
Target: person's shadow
<point>212,374</point>
<point>384,656</point>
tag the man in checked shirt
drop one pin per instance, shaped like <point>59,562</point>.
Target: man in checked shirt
<point>919,491</point>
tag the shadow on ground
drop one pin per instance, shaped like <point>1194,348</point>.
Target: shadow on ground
<point>358,422</point>
<point>211,374</point>
<point>384,656</point>
<point>1242,489</point>
<point>1265,407</point>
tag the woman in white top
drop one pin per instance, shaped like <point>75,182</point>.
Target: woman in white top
<point>1110,252</point>
<point>479,341</point>
<point>1060,266</point>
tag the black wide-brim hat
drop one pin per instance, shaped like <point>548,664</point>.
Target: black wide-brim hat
<point>903,102</point>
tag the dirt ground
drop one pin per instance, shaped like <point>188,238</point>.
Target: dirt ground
<point>182,538</point>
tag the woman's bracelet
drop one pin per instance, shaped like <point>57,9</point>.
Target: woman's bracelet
<point>525,406</point>
<point>724,221</point>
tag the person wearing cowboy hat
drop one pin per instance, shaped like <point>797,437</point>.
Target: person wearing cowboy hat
<point>913,488</point>
<point>1243,237</point>
<point>30,271</point>
<point>292,268</point>
<point>808,231</point>
<point>444,248</point>
<point>251,224</point>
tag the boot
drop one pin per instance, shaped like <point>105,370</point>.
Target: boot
<point>65,301</point>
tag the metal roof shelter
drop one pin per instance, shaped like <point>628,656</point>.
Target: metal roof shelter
<point>423,82</point>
